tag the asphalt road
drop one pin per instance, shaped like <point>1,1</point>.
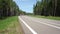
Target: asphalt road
<point>32,25</point>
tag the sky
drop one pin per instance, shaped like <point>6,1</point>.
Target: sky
<point>26,5</point>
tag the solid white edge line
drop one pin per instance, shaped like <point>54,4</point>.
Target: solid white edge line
<point>27,26</point>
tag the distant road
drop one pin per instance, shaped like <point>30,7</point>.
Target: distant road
<point>32,25</point>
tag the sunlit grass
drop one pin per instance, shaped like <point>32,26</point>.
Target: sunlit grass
<point>47,17</point>
<point>4,23</point>
<point>10,25</point>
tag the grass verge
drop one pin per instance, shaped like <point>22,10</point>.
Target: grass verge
<point>10,26</point>
<point>47,17</point>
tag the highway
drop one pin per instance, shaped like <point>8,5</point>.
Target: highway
<point>33,25</point>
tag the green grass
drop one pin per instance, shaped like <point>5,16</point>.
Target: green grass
<point>47,17</point>
<point>4,23</point>
<point>10,25</point>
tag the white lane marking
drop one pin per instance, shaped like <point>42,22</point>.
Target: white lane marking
<point>27,26</point>
<point>49,25</point>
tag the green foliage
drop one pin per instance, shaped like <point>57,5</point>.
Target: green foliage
<point>48,17</point>
<point>5,23</point>
<point>8,8</point>
<point>47,8</point>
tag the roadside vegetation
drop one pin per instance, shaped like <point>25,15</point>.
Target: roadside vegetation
<point>47,8</point>
<point>9,8</point>
<point>10,25</point>
<point>46,17</point>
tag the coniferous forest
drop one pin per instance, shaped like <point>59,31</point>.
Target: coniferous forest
<point>47,8</point>
<point>8,8</point>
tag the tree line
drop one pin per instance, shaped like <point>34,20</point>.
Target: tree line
<point>8,8</point>
<point>47,8</point>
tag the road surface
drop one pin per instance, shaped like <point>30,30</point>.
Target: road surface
<point>32,25</point>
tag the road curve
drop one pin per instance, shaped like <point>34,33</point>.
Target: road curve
<point>34,25</point>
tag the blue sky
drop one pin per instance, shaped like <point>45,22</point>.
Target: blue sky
<point>26,5</point>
